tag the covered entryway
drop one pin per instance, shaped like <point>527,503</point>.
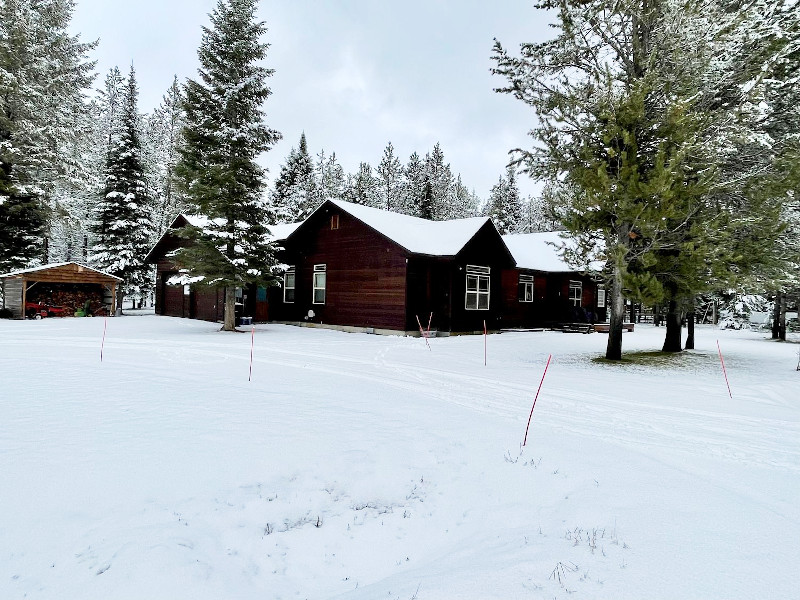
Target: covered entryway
<point>61,289</point>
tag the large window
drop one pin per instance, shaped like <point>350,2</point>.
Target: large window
<point>319,284</point>
<point>525,288</point>
<point>477,296</point>
<point>289,285</point>
<point>575,292</point>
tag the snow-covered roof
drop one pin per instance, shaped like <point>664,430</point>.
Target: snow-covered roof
<point>420,236</point>
<point>539,251</point>
<point>283,230</point>
<point>56,266</point>
<point>279,232</point>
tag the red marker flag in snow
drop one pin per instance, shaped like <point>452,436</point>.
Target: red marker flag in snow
<point>103,343</point>
<point>252,341</point>
<point>525,440</point>
<point>724,372</point>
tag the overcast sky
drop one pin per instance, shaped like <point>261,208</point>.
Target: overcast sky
<point>352,74</point>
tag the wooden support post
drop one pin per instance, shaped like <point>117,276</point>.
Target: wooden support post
<point>24,296</point>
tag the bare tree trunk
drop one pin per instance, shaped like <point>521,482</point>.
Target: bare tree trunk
<point>672,340</point>
<point>782,318</point>
<point>690,327</point>
<point>776,317</point>
<point>617,315</point>
<point>229,323</point>
<point>120,298</point>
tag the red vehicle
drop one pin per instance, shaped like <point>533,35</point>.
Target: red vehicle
<point>39,310</point>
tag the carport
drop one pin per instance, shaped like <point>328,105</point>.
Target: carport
<point>68,285</point>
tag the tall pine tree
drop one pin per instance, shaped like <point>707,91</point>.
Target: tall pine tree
<point>43,75</point>
<point>291,197</point>
<point>636,123</point>
<point>390,173</point>
<point>224,134</point>
<point>123,227</point>
<point>163,137</point>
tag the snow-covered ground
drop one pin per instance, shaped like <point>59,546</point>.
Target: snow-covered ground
<point>361,467</point>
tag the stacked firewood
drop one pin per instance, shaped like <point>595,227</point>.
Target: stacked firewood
<point>71,297</point>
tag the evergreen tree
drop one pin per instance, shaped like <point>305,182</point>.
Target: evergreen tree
<point>163,138</point>
<point>294,186</point>
<point>123,228</point>
<point>43,75</point>
<point>636,126</point>
<point>413,186</point>
<point>362,188</point>
<point>390,173</point>
<point>224,134</point>
<point>438,174</point>
<point>504,204</point>
<point>465,202</point>
<point>330,178</point>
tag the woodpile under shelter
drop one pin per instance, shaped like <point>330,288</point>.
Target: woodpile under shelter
<point>58,289</point>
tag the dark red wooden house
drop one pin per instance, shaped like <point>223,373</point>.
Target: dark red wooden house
<point>352,265</point>
<point>544,290</point>
<point>349,265</point>
<point>174,299</point>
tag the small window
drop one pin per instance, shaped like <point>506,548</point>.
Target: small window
<point>288,286</point>
<point>526,288</point>
<point>477,294</point>
<point>187,290</point>
<point>319,284</point>
<point>575,292</point>
<point>334,221</point>
<point>601,297</point>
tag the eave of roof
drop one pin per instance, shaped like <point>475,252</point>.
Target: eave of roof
<point>415,235</point>
<point>51,266</point>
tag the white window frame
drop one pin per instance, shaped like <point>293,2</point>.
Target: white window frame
<point>601,296</point>
<point>478,274</point>
<point>527,282</point>
<point>286,287</point>
<point>319,276</point>
<point>576,300</point>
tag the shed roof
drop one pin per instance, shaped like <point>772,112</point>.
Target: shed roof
<point>541,252</point>
<point>419,236</point>
<point>62,272</point>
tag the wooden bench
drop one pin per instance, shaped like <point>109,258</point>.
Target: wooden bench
<point>576,328</point>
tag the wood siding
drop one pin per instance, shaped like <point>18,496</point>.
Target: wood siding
<point>485,249</point>
<point>12,297</point>
<point>365,274</point>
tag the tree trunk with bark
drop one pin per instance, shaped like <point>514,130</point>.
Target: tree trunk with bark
<point>776,317</point>
<point>672,339</point>
<point>616,316</point>
<point>690,329</point>
<point>120,298</point>
<point>782,319</point>
<point>229,324</point>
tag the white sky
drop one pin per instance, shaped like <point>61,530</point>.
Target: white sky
<point>353,74</point>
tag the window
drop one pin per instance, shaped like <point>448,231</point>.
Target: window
<point>575,292</point>
<point>334,221</point>
<point>526,288</point>
<point>319,284</point>
<point>288,286</point>
<point>601,296</point>
<point>477,296</point>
